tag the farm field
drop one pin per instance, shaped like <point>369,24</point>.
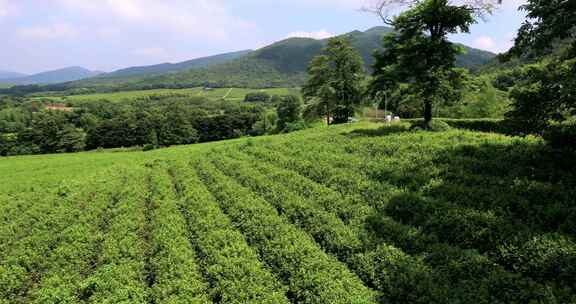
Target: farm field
<point>359,213</point>
<point>236,94</point>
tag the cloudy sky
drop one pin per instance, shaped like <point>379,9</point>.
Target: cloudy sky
<point>39,35</point>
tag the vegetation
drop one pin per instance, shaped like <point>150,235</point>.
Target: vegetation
<point>31,127</point>
<point>354,213</point>
<point>419,54</point>
<point>289,113</point>
<point>543,90</point>
<point>334,89</point>
<point>359,213</point>
<point>282,64</point>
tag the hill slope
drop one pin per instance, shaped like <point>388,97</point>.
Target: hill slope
<point>286,62</point>
<point>283,63</point>
<point>55,76</point>
<point>175,67</point>
<point>346,214</point>
<point>10,75</point>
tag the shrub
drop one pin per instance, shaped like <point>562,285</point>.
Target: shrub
<point>435,125</point>
<point>148,147</point>
<point>481,125</point>
<point>549,257</point>
<point>295,126</point>
<point>409,208</point>
<point>561,135</point>
<point>257,97</point>
<point>400,277</point>
<point>475,278</point>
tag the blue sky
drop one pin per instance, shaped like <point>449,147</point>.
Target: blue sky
<point>39,35</point>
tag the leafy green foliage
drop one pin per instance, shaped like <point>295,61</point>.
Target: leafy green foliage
<point>257,97</point>
<point>547,23</point>
<point>152,122</point>
<point>335,85</point>
<point>289,110</point>
<point>561,135</point>
<point>282,64</point>
<point>381,214</point>
<point>543,91</point>
<point>543,96</point>
<point>419,53</point>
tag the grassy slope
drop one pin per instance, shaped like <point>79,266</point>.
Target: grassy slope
<point>419,217</point>
<point>29,170</point>
<point>235,94</point>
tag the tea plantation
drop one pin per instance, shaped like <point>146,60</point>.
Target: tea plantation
<point>348,214</point>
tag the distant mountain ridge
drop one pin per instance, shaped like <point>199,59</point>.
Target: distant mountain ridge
<point>281,64</point>
<point>163,68</point>
<point>51,77</point>
<point>10,75</point>
<point>284,63</point>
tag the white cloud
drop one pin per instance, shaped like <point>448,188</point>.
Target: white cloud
<point>321,34</point>
<point>490,44</point>
<point>484,42</point>
<point>206,19</point>
<point>52,31</point>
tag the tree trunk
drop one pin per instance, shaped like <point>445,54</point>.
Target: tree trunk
<point>427,112</point>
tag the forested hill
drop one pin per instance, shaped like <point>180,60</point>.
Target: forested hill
<point>284,63</point>
<point>281,64</point>
<point>163,68</point>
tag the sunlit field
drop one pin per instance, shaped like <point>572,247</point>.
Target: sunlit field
<point>236,94</point>
<point>357,213</point>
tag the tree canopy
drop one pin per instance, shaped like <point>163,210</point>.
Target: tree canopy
<point>334,87</point>
<point>419,54</point>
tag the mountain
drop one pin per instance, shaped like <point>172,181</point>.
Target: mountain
<point>281,64</point>
<point>56,76</point>
<point>284,63</point>
<point>10,75</point>
<point>175,67</point>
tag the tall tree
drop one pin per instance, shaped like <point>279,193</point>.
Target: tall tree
<point>545,93</point>
<point>547,22</point>
<point>418,52</point>
<point>334,88</point>
<point>289,111</point>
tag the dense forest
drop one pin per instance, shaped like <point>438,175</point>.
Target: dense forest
<point>32,127</point>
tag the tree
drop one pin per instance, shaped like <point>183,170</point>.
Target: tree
<point>289,111</point>
<point>547,22</point>
<point>176,128</point>
<point>334,88</point>
<point>384,8</point>
<point>545,92</point>
<point>419,54</point>
<point>71,139</point>
<point>50,132</point>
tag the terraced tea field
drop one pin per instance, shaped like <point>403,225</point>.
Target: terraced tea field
<point>349,214</point>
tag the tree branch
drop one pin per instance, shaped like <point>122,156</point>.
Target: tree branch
<point>385,9</point>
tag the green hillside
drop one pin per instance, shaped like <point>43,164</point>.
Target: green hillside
<point>350,214</point>
<point>174,67</point>
<point>235,94</point>
<point>282,64</point>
